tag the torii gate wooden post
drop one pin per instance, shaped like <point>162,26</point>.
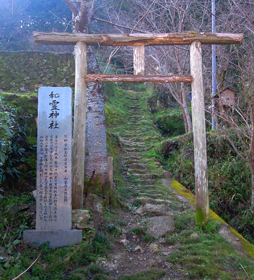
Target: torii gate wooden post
<point>139,41</point>
<point>79,130</point>
<point>199,135</point>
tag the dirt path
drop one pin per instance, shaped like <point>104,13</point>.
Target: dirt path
<point>157,234</point>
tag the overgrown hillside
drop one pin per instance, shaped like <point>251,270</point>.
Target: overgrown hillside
<point>121,243</point>
<point>229,176</point>
<point>27,71</point>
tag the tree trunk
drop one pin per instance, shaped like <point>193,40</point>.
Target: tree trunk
<point>96,147</point>
<point>252,188</point>
<point>186,114</point>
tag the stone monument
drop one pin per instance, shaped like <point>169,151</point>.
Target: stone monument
<point>53,184</point>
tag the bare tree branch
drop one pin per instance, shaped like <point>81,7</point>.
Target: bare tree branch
<point>118,25</point>
<point>241,9</point>
<point>114,52</point>
<point>72,6</point>
<point>27,268</point>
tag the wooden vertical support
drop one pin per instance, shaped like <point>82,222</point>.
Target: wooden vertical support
<point>199,135</point>
<point>78,154</point>
<point>110,170</point>
<point>139,60</point>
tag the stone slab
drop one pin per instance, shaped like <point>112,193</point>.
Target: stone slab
<point>56,238</point>
<point>159,226</point>
<point>53,186</point>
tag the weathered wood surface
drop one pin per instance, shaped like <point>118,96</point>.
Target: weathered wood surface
<point>199,135</point>
<point>79,133</point>
<point>131,78</point>
<point>136,38</point>
<point>139,60</point>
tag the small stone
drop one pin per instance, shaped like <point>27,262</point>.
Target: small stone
<point>194,235</point>
<point>162,201</point>
<point>34,194</point>
<point>80,218</point>
<point>139,249</point>
<point>23,89</point>
<point>3,254</point>
<point>145,200</point>
<point>124,242</point>
<point>19,208</point>
<point>158,210</point>
<point>94,203</point>
<point>159,226</point>
<point>154,248</point>
<point>162,240</point>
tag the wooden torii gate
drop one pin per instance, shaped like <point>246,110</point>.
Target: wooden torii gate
<point>139,41</point>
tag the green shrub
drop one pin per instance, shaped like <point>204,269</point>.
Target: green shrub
<point>229,177</point>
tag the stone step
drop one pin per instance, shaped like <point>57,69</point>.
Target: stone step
<point>137,171</point>
<point>134,119</point>
<point>134,134</point>
<point>136,116</point>
<point>145,176</point>
<point>146,181</point>
<point>136,149</point>
<point>148,193</point>
<point>146,199</point>
<point>134,113</point>
<point>133,156</point>
<point>137,166</point>
<point>144,186</point>
<point>134,145</point>
<point>131,161</point>
<point>133,139</point>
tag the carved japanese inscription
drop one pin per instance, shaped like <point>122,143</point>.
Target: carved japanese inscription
<point>54,159</point>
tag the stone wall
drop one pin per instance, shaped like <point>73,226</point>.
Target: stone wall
<point>27,71</point>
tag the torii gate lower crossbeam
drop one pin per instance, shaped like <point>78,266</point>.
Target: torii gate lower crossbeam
<point>138,41</point>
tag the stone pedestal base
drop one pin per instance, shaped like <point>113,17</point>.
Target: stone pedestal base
<point>55,238</point>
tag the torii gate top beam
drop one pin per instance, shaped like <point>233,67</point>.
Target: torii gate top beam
<point>136,39</point>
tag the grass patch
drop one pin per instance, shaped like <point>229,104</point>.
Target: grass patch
<point>152,274</point>
<point>207,256</point>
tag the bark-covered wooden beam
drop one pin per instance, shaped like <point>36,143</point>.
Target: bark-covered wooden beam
<point>131,79</point>
<point>199,135</point>
<point>55,38</point>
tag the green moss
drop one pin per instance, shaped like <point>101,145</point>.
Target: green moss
<point>201,217</point>
<point>183,191</point>
<point>246,246</point>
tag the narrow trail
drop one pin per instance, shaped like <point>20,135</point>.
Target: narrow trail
<point>141,246</point>
<point>158,238</point>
